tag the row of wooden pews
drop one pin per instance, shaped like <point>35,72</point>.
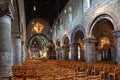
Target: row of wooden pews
<point>66,70</point>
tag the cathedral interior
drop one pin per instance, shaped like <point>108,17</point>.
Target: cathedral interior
<point>59,40</point>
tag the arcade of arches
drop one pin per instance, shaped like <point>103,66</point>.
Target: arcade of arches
<point>87,35</point>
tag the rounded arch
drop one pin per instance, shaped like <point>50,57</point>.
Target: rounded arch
<point>37,26</point>
<point>76,28</point>
<point>96,19</point>
<point>101,29</point>
<point>31,38</point>
<point>65,47</point>
<point>66,39</point>
<point>58,43</point>
<point>58,50</point>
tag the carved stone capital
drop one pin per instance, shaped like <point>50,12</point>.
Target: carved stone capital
<point>23,42</point>
<point>6,8</point>
<point>116,33</point>
<point>58,48</point>
<point>90,40</point>
<point>74,44</point>
<point>63,47</point>
<point>16,35</point>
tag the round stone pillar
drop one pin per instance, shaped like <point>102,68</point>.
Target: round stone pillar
<point>23,53</point>
<point>63,52</point>
<point>74,51</point>
<point>16,51</point>
<point>5,46</point>
<point>117,34</point>
<point>12,53</point>
<point>67,53</point>
<point>91,54</point>
<point>82,54</point>
<point>58,53</point>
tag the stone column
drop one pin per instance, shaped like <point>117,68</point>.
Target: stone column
<point>117,34</point>
<point>5,38</point>
<point>23,53</point>
<point>67,52</point>
<point>12,54</point>
<point>63,52</point>
<point>5,46</point>
<point>58,53</point>
<point>82,54</point>
<point>104,56</point>
<point>74,51</point>
<point>90,50</point>
<point>16,51</point>
<point>113,51</point>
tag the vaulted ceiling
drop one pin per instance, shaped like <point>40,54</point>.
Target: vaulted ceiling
<point>46,9</point>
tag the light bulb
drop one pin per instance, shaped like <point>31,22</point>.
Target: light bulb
<point>34,8</point>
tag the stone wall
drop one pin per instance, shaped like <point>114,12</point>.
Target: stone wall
<point>85,14</point>
<point>46,30</point>
<point>97,7</point>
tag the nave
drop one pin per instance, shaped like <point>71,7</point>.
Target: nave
<point>65,70</point>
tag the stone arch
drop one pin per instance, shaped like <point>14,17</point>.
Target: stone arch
<point>58,50</point>
<point>64,38</point>
<point>76,28</point>
<point>51,54</point>
<point>58,42</point>
<point>101,29</point>
<point>29,41</point>
<point>99,12</point>
<point>99,17</point>
<point>37,46</point>
<point>65,47</point>
<point>77,43</point>
<point>33,29</point>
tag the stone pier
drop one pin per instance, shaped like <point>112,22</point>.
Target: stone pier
<point>63,53</point>
<point>16,51</point>
<point>58,52</point>
<point>91,55</point>
<point>5,46</point>
<point>23,53</point>
<point>117,34</point>
<point>74,51</point>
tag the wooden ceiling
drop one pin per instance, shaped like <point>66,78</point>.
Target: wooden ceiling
<point>46,9</point>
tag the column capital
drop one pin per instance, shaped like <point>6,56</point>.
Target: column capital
<point>63,47</point>
<point>90,40</point>
<point>6,8</point>
<point>17,35</point>
<point>116,33</point>
<point>74,44</point>
<point>58,48</point>
<point>23,42</point>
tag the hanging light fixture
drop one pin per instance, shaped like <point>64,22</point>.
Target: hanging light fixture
<point>34,7</point>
